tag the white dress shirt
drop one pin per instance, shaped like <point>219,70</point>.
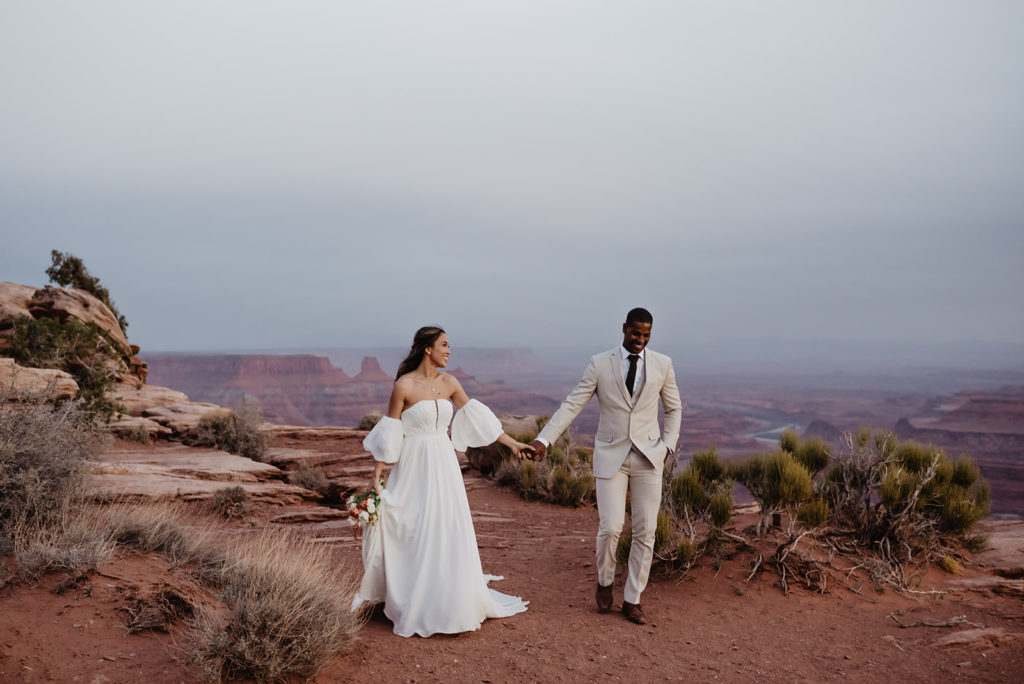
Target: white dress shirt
<point>639,367</point>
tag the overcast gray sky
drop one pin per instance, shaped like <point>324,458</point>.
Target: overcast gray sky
<point>247,174</point>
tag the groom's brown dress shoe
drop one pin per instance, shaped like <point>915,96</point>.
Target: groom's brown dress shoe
<point>634,613</point>
<point>604,598</point>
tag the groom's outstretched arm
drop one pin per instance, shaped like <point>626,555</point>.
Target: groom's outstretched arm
<point>572,406</point>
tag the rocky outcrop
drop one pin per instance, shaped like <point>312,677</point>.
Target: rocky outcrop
<point>67,302</point>
<point>181,419</point>
<point>64,303</point>
<point>137,398</point>
<point>24,382</point>
<point>169,472</point>
<point>14,303</point>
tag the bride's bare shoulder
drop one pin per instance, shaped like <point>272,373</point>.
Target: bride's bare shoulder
<point>403,385</point>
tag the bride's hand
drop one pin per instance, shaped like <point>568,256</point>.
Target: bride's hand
<point>377,487</point>
<point>524,451</point>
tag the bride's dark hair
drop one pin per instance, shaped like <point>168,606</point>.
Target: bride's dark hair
<point>425,337</point>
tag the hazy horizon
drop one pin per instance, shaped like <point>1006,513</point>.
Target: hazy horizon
<point>783,182</point>
<point>722,357</point>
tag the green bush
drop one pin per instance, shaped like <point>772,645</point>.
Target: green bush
<point>235,431</point>
<point>664,530</point>
<point>720,508</point>
<point>369,421</point>
<point>68,270</point>
<point>686,492</point>
<point>81,349</point>
<point>776,481</point>
<point>812,453</point>
<point>563,477</point>
<point>789,440</point>
<point>813,513</point>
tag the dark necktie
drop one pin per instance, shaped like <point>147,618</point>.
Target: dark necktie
<point>631,373</point>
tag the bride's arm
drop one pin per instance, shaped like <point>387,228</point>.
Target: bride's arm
<point>460,399</point>
<point>395,405</point>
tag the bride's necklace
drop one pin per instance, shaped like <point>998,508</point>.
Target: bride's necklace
<point>430,384</point>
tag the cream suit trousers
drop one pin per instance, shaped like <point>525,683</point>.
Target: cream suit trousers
<point>643,481</point>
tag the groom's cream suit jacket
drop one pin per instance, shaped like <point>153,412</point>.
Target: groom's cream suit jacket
<point>626,421</point>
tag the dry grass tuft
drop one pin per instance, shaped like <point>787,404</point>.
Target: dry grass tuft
<point>158,611</point>
<point>231,502</point>
<point>289,611</point>
<point>236,431</point>
<point>309,477</point>
<point>44,453</point>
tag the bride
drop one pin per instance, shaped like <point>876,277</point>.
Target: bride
<point>421,557</point>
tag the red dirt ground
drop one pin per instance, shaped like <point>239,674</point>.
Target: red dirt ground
<point>711,626</point>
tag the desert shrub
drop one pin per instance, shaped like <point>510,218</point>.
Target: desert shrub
<point>789,440</point>
<point>72,546</point>
<point>236,431</point>
<point>951,565</point>
<point>698,502</point>
<point>44,452</point>
<point>813,513</point>
<point>310,477</point>
<point>664,530</point>
<point>812,453</point>
<point>568,488</point>
<point>720,508</point>
<point>68,270</point>
<point>369,421</point>
<point>906,502</point>
<point>138,433</point>
<point>231,502</point>
<point>777,481</point>
<point>288,600</point>
<point>288,612</point>
<point>685,552</point>
<point>81,349</point>
<point>562,478</point>
<point>157,611</point>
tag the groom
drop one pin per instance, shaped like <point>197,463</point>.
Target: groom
<point>629,450</point>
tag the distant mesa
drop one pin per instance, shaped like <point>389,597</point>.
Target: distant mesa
<point>307,390</point>
<point>826,431</point>
<point>460,374</point>
<point>371,371</point>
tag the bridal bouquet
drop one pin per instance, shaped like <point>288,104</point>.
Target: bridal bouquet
<point>363,509</point>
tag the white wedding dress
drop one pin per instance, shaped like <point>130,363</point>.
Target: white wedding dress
<point>421,557</point>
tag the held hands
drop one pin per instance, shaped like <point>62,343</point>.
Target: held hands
<point>524,451</point>
<point>539,450</point>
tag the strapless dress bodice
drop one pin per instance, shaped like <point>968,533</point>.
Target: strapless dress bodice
<point>427,417</point>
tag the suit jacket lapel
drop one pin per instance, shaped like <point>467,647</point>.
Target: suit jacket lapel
<point>616,369</point>
<point>649,370</point>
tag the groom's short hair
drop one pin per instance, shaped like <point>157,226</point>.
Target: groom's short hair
<point>639,315</point>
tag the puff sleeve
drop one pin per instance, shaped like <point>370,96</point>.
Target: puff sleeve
<point>385,440</point>
<point>475,426</point>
